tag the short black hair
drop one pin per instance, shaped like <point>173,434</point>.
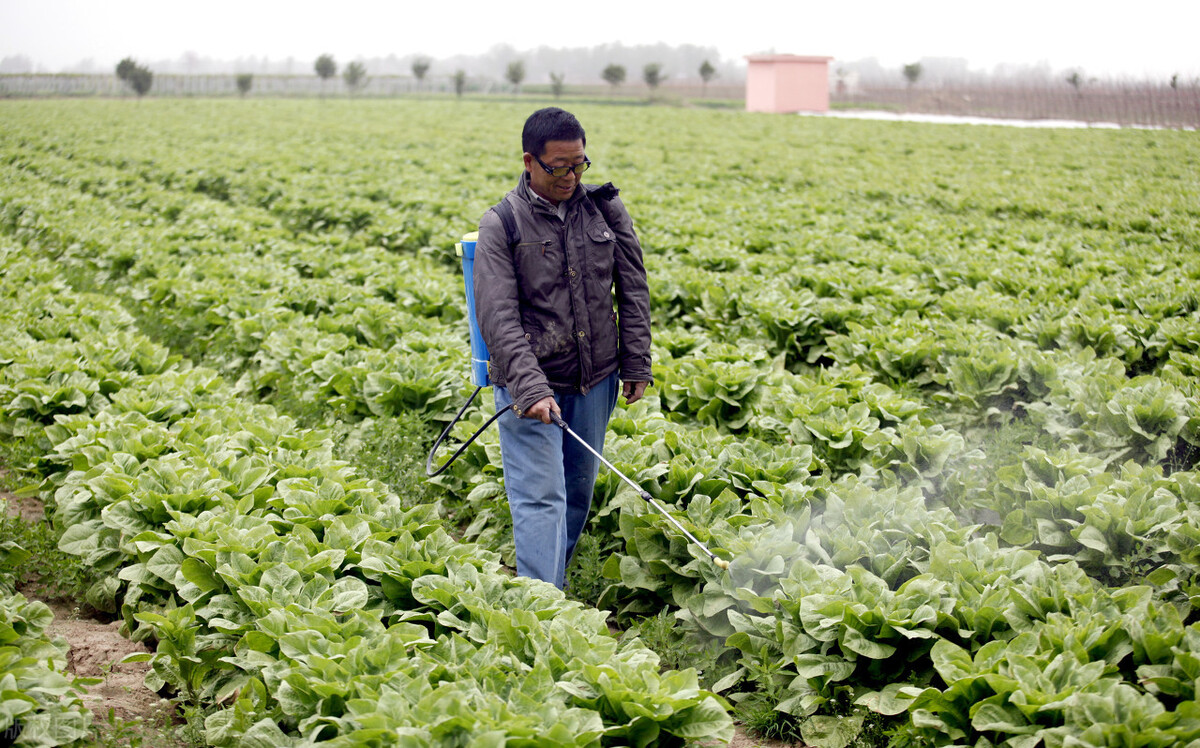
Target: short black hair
<point>549,124</point>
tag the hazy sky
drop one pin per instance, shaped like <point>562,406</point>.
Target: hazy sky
<point>1149,37</point>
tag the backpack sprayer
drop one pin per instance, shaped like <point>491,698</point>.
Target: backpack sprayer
<point>479,377</point>
<point>479,358</point>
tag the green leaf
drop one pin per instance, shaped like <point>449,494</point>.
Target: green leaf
<point>952,662</point>
<point>264,734</point>
<point>890,701</point>
<point>348,594</point>
<point>831,732</point>
<point>166,563</point>
<point>729,681</point>
<point>854,640</point>
<point>201,574</point>
<point>81,539</point>
<point>994,715</point>
<point>707,720</point>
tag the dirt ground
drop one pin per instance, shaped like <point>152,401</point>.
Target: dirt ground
<point>742,740</point>
<point>29,510</point>
<point>96,648</point>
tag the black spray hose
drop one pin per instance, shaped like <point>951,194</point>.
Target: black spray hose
<point>429,471</point>
<point>720,562</point>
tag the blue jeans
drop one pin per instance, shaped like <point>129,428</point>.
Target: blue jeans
<point>549,477</point>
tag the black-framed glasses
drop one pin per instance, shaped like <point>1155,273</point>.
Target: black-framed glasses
<point>562,171</point>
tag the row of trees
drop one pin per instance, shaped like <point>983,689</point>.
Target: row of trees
<point>139,78</point>
<point>355,74</point>
<point>652,74</point>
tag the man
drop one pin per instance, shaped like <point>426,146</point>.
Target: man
<point>545,308</point>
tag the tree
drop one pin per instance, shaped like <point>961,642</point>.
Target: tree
<point>460,82</point>
<point>125,69</point>
<point>912,73</point>
<point>515,73</point>
<point>614,74</point>
<point>1076,81</point>
<point>1175,82</point>
<point>244,82</point>
<point>707,73</point>
<point>556,84</point>
<point>652,74</point>
<point>325,67</point>
<point>420,67</point>
<point>141,80</point>
<point>355,76</point>
<point>137,77</point>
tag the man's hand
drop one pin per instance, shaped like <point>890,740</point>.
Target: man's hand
<point>542,408</point>
<point>633,391</point>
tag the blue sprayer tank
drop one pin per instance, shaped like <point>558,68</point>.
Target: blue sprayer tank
<point>479,351</point>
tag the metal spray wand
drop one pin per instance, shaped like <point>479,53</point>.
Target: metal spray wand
<point>720,562</point>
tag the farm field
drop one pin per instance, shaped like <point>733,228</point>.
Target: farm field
<point>934,391</point>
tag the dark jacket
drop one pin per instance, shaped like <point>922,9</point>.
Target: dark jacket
<point>545,308</point>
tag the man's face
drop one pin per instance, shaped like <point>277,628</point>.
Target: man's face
<point>558,153</point>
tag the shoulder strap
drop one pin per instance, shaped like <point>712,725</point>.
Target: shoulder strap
<point>605,192</point>
<point>601,194</point>
<point>505,211</point>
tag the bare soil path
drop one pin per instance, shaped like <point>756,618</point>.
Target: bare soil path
<point>96,648</point>
<point>743,740</point>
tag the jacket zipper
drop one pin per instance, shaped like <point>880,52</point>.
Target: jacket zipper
<point>579,341</point>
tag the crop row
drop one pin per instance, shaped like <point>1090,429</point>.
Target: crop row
<point>329,353</point>
<point>839,432</point>
<point>274,579</point>
<point>372,301</point>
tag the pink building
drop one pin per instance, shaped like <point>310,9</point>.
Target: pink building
<point>787,83</point>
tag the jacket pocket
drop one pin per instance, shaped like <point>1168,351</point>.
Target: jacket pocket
<point>602,243</point>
